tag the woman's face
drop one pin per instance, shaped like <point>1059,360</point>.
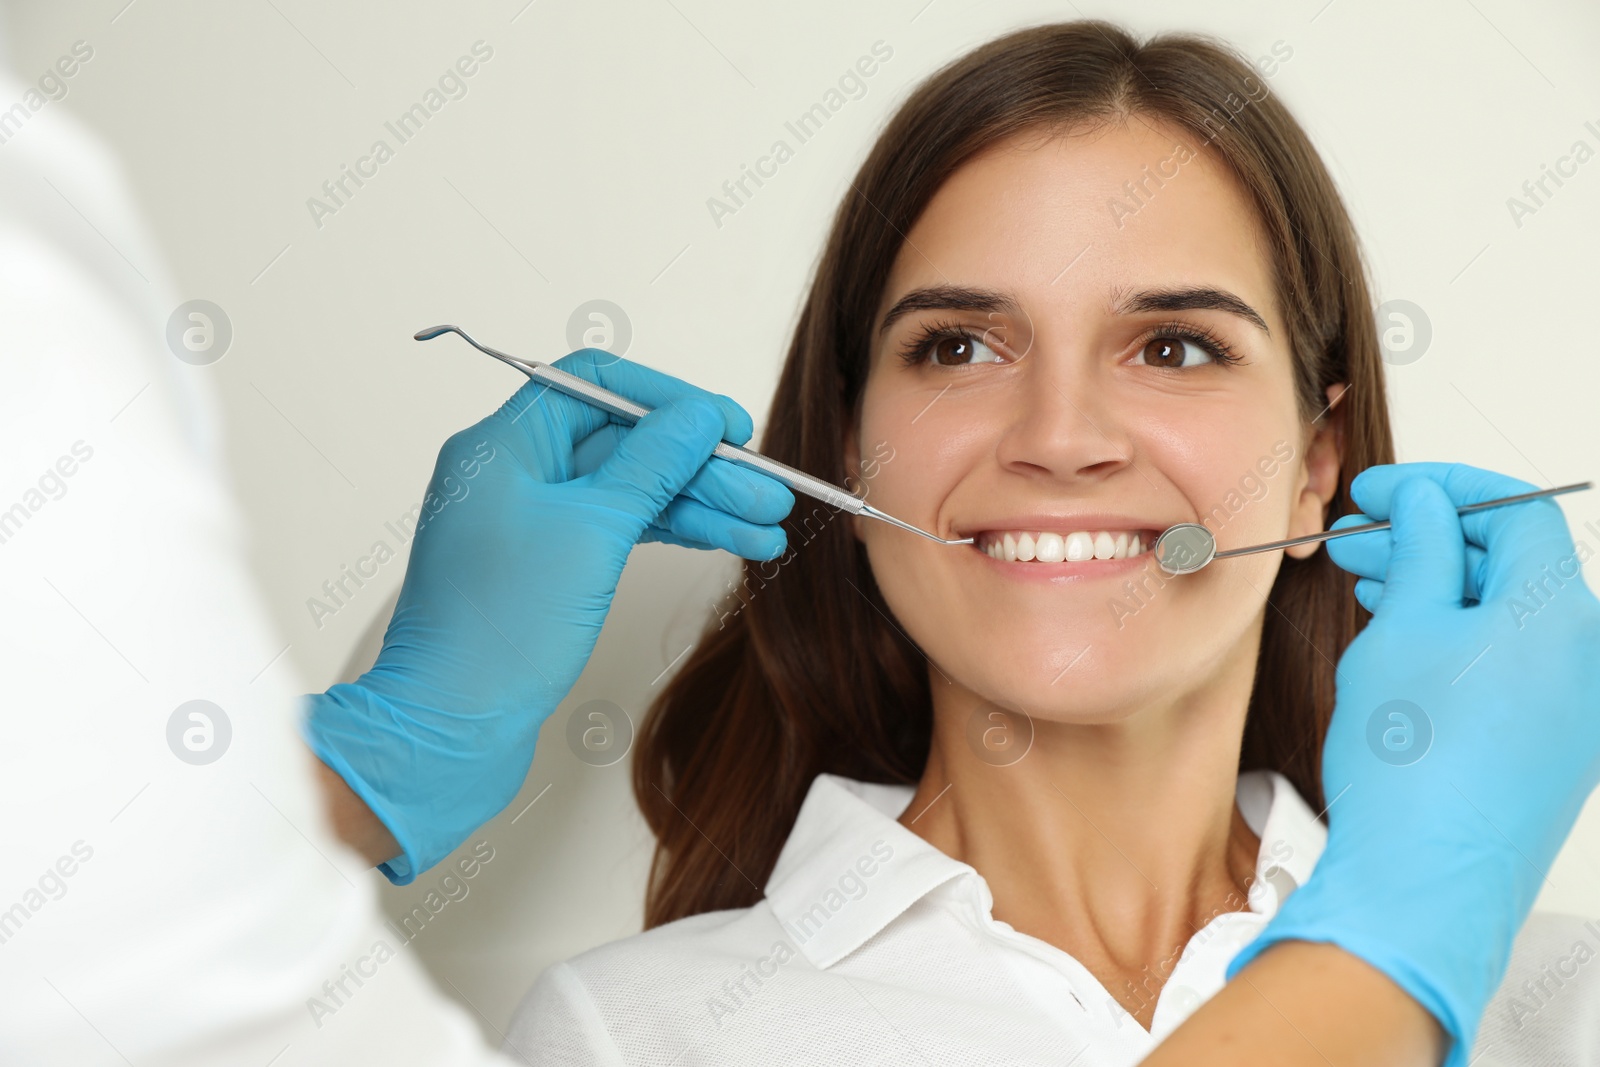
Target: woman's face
<point>1079,339</point>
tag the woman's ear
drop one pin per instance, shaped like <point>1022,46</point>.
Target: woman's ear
<point>1324,454</point>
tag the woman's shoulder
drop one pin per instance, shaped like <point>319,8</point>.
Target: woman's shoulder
<point>710,939</point>
<point>1547,1009</point>
<point>674,977</point>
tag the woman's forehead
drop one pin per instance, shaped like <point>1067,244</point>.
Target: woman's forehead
<point>1082,217</point>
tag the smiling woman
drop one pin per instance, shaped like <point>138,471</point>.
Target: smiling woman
<point>1038,369</point>
<point>1059,383</point>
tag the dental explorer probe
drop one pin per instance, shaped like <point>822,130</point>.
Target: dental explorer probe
<point>622,407</point>
<point>1188,546</point>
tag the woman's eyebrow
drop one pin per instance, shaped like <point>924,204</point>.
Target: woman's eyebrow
<point>949,298</point>
<point>967,298</point>
<point>1191,298</point>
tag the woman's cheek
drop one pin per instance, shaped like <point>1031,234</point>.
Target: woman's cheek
<point>907,465</point>
<point>1227,467</point>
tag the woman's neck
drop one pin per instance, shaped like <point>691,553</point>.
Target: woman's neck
<point>1115,842</point>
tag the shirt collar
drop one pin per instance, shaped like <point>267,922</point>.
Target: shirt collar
<point>1292,837</point>
<point>849,869</point>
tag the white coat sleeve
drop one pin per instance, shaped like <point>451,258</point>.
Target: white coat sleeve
<point>153,910</point>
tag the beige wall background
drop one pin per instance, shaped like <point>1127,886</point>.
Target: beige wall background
<point>575,164</point>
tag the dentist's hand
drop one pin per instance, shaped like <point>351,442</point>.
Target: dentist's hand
<point>528,521</point>
<point>1464,741</point>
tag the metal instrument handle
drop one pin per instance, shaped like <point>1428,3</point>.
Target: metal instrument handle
<point>622,407</point>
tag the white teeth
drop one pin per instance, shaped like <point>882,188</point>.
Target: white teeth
<point>1047,546</point>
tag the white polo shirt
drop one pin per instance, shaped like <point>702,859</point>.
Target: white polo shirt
<point>872,946</point>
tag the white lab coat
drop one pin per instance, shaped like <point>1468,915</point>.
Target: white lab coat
<point>152,911</point>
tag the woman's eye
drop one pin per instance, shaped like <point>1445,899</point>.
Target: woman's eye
<point>1175,352</point>
<point>955,350</point>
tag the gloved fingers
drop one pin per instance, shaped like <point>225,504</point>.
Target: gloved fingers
<point>568,420</point>
<point>1367,556</point>
<point>1525,543</point>
<point>1427,566</point>
<point>1369,593</point>
<point>742,493</point>
<point>1464,484</point>
<point>1521,539</point>
<point>591,452</point>
<point>664,536</point>
<point>1374,487</point>
<point>720,484</point>
<point>1364,555</point>
<point>690,521</point>
<point>656,459</point>
<point>1477,573</point>
<point>594,436</point>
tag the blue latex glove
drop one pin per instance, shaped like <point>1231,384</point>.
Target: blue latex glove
<point>1433,863</point>
<point>527,523</point>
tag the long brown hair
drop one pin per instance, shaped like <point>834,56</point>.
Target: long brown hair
<point>799,673</point>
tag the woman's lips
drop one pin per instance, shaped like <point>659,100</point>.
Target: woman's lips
<point>1073,570</point>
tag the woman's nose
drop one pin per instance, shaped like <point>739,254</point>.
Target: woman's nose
<point>1065,422</point>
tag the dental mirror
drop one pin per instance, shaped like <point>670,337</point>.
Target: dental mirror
<point>1188,547</point>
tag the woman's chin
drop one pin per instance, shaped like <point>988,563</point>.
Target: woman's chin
<point>1039,633</point>
<point>1049,682</point>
